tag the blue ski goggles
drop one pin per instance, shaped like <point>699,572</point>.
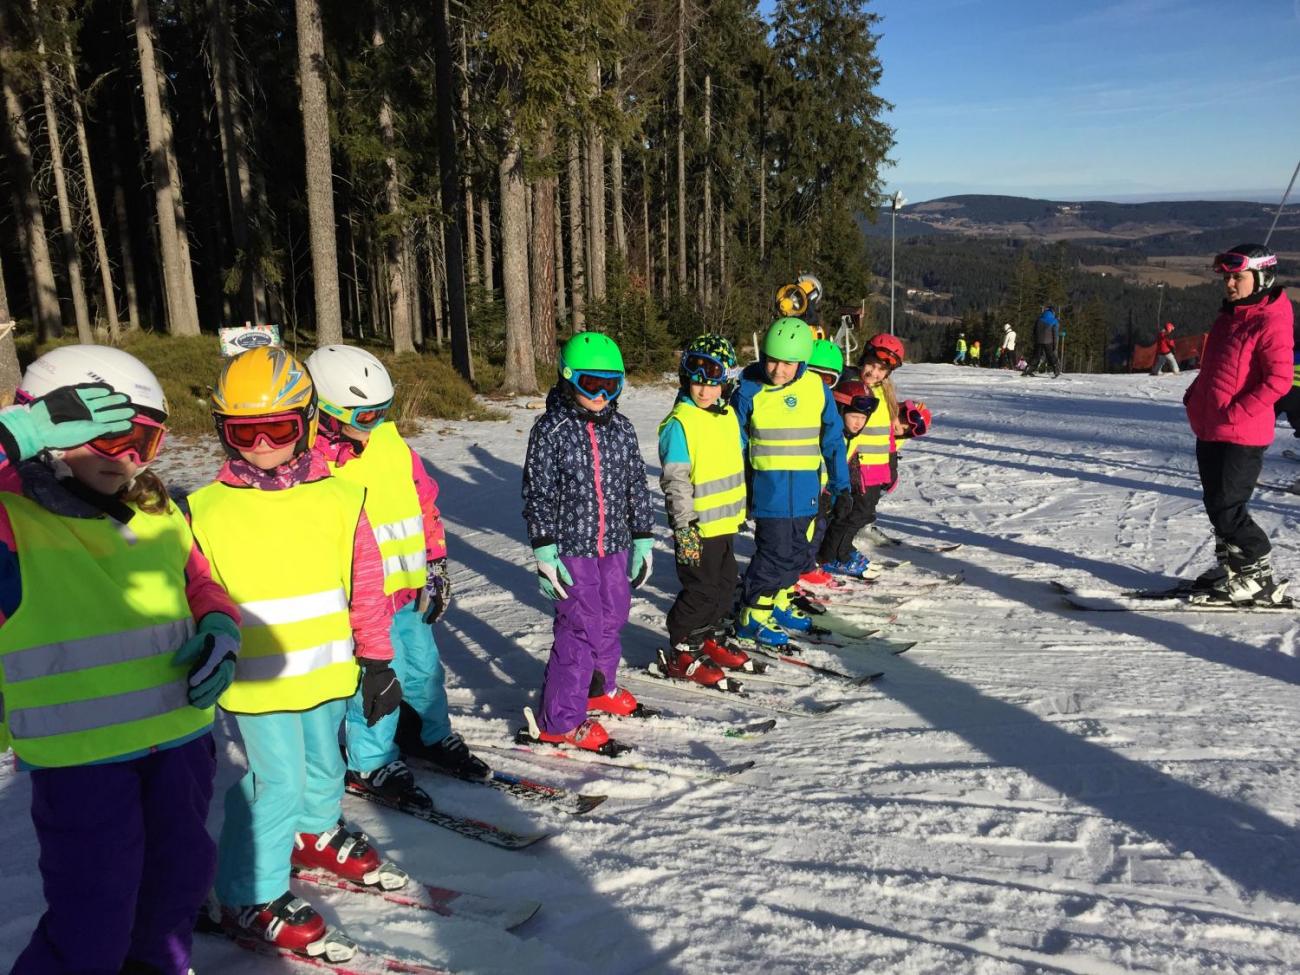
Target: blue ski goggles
<point>705,369</point>
<point>360,417</point>
<point>596,384</point>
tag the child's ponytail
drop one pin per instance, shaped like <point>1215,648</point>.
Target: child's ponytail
<point>148,493</point>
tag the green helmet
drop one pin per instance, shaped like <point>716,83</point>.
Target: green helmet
<point>788,339</point>
<point>826,355</point>
<point>590,352</point>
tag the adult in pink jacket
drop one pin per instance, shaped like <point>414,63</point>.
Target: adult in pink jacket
<point>1245,369</point>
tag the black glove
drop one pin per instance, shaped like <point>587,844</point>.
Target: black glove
<point>437,590</point>
<point>843,506</point>
<point>381,691</point>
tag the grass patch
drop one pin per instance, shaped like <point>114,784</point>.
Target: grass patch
<point>187,367</point>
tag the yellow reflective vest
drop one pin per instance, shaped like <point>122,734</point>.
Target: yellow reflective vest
<point>871,443</point>
<point>785,426</point>
<point>285,557</point>
<point>392,505</point>
<point>717,466</point>
<point>86,672</point>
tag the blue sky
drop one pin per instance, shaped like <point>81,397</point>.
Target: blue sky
<point>1091,99</point>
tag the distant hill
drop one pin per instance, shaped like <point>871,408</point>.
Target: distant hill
<point>1162,227</point>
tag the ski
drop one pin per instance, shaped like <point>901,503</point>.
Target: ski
<point>349,958</point>
<point>1290,454</point>
<point>546,750</point>
<point>1175,599</point>
<point>475,829</point>
<point>443,901</point>
<point>892,541</point>
<point>831,625</point>
<point>1293,488</point>
<point>743,697</point>
<point>525,789</point>
<point>894,647</point>
<point>853,680</point>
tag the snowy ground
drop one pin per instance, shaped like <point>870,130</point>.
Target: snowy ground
<point>1031,789</point>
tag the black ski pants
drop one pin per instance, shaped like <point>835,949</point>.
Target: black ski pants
<point>708,591</point>
<point>1229,473</point>
<point>1290,405</point>
<point>837,546</point>
<point>820,527</point>
<point>1043,351</point>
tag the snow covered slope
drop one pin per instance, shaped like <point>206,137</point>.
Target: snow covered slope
<point>1031,789</point>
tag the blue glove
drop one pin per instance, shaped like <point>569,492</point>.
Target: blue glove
<point>437,590</point>
<point>641,561</point>
<point>210,654</point>
<point>552,576</point>
<point>68,417</point>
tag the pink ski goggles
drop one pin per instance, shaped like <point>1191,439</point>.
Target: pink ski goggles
<point>1233,263</point>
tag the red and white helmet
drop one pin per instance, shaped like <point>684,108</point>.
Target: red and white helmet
<point>885,349</point>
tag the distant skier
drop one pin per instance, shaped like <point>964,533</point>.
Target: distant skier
<point>974,354</point>
<point>1045,333</point>
<point>1244,372</point>
<point>1007,359</point>
<point>1165,351</point>
<point>959,357</point>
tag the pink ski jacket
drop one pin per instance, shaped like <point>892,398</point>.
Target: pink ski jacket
<point>1246,369</point>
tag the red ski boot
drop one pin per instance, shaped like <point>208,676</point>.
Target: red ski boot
<point>590,736</point>
<point>620,703</point>
<point>728,657</point>
<point>347,854</point>
<point>687,664</point>
<point>816,576</point>
<point>286,922</point>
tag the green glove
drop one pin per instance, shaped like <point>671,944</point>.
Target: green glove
<point>642,558</point>
<point>552,576</point>
<point>210,654</point>
<point>68,417</point>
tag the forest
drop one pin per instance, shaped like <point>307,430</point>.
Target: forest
<point>470,179</point>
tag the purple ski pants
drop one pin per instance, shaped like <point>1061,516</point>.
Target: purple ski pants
<point>586,652</point>
<point>126,862</point>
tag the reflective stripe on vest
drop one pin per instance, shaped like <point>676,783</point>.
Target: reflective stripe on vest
<point>392,505</point>
<point>785,426</point>
<point>717,467</point>
<point>286,559</point>
<point>86,668</point>
<point>872,442</point>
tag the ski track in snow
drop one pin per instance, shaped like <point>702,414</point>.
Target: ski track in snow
<point>1030,789</point>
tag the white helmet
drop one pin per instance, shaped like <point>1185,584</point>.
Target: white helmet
<point>75,365</point>
<point>1006,327</point>
<point>347,378</point>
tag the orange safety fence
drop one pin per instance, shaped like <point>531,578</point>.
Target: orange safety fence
<point>1188,350</point>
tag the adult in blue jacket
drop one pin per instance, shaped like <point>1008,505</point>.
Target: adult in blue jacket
<point>790,428</point>
<point>1046,330</point>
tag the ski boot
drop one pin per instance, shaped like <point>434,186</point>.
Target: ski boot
<point>287,922</point>
<point>618,702</point>
<point>687,663</point>
<point>347,854</point>
<point>1216,576</point>
<point>757,624</point>
<point>730,658</point>
<point>789,616</point>
<point>393,783</point>
<point>590,736</point>
<point>1251,585</point>
<point>862,567</point>
<point>452,756</point>
<point>871,535</point>
<point>816,576</point>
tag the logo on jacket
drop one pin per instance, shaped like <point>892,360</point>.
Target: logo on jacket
<point>791,402</point>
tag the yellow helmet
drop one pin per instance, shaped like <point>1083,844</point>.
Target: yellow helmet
<point>264,382</point>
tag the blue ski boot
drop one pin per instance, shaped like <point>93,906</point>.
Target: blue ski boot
<point>756,623</point>
<point>788,615</point>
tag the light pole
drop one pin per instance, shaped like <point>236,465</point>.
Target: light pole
<point>895,204</point>
<point>1160,304</point>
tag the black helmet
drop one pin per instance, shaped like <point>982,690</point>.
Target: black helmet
<point>1256,258</point>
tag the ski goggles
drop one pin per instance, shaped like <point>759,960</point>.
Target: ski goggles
<point>860,404</point>
<point>597,385</point>
<point>246,432</point>
<point>887,358</point>
<point>704,369</point>
<point>1231,262</point>
<point>361,417</point>
<point>139,444</point>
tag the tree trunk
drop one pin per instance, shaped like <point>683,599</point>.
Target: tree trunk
<point>520,370</point>
<point>471,222</point>
<point>665,235</point>
<point>542,285</point>
<point>557,240</point>
<point>399,282</point>
<point>67,231</point>
<point>449,195</point>
<point>577,265</point>
<point>182,313</point>
<point>10,374</point>
<point>123,233</point>
<point>681,144</point>
<point>646,240</point>
<point>485,212</point>
<point>722,249</point>
<point>706,250</point>
<point>320,176</point>
<point>595,195</point>
<point>616,175</point>
<point>92,198</point>
<point>234,151</point>
<point>178,196</point>
<point>27,205</point>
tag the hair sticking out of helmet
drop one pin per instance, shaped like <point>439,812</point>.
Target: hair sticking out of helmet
<point>260,385</point>
<point>1255,258</point>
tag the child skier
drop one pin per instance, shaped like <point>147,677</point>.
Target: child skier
<point>877,451</point>
<point>703,480</point>
<point>789,426</point>
<point>361,445</point>
<point>827,363</point>
<point>858,408</point>
<point>295,549</point>
<point>591,528</point>
<point>114,646</point>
